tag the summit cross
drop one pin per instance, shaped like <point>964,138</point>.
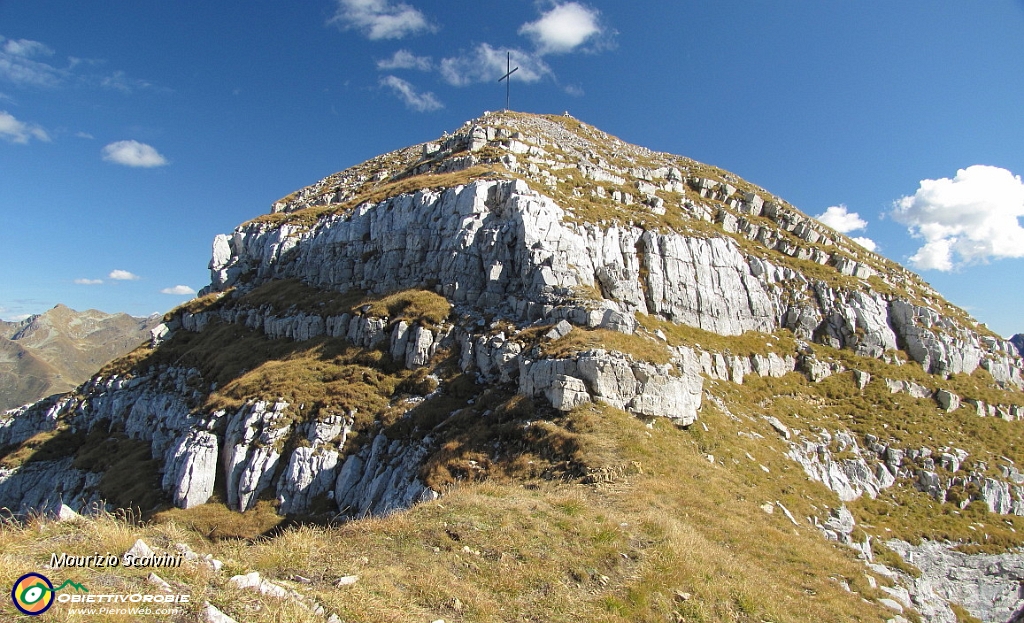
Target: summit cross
<point>507,77</point>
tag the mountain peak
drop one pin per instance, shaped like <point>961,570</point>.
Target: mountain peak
<point>465,308</point>
<point>598,179</point>
<point>66,347</point>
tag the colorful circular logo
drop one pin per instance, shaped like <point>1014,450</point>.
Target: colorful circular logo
<point>32,594</point>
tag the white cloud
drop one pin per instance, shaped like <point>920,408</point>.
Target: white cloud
<point>867,243</point>
<point>133,154</point>
<point>404,59</point>
<point>88,282</point>
<point>119,81</point>
<point>84,135</point>
<point>26,48</point>
<point>17,64</point>
<point>487,64</point>
<point>26,62</point>
<point>562,29</point>
<point>841,219</point>
<point>935,255</point>
<point>178,290</point>
<point>574,90</point>
<point>421,102</point>
<point>123,275</point>
<point>380,19</point>
<point>971,218</point>
<point>20,132</point>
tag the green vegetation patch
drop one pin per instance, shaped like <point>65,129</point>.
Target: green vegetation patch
<point>131,477</point>
<point>749,343</point>
<point>578,340</point>
<point>904,422</point>
<point>381,191</point>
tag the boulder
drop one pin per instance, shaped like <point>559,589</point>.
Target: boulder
<point>567,392</point>
<point>948,401</point>
<point>861,378</point>
<point>640,387</point>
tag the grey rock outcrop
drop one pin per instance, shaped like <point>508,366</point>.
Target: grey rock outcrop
<point>849,478</point>
<point>383,477</point>
<point>878,466</point>
<point>640,387</point>
<point>948,401</point>
<point>17,425</point>
<point>252,447</point>
<point>312,469</point>
<point>528,256</point>
<point>986,585</point>
<point>1018,341</point>
<point>191,468</point>
<point>914,389</point>
<point>45,486</point>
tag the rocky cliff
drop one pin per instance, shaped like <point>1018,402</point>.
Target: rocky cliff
<point>415,320</point>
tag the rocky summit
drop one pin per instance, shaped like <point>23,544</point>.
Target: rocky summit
<point>435,316</point>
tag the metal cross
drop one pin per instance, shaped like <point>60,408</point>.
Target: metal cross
<point>507,77</point>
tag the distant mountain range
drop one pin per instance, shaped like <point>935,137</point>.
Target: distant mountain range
<point>58,350</point>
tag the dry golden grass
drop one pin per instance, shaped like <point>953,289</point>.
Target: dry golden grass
<point>639,347</point>
<point>749,343</point>
<point>659,521</point>
<point>421,306</point>
<point>215,521</point>
<point>379,192</point>
<point>292,295</point>
<point>907,423</point>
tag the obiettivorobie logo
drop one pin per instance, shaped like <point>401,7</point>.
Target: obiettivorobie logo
<point>33,593</point>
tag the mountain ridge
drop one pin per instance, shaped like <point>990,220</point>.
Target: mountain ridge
<point>57,350</point>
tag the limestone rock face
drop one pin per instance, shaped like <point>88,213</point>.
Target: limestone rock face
<point>640,387</point>
<point>502,245</point>
<point>1018,341</point>
<point>707,284</point>
<point>382,478</point>
<point>17,425</point>
<point>191,469</point>
<point>849,478</point>
<point>313,469</point>
<point>251,451</point>
<point>45,486</point>
<point>311,472</point>
<point>987,585</point>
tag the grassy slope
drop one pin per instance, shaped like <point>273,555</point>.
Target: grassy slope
<point>651,516</point>
<point>660,520</point>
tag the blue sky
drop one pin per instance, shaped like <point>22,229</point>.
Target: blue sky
<point>133,132</point>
